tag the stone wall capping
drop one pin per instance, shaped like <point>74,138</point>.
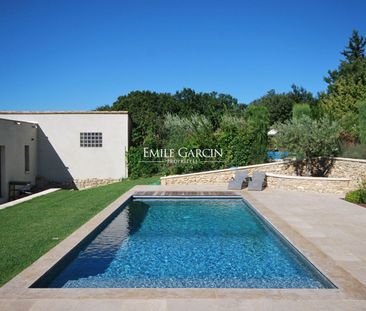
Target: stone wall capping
<point>350,159</point>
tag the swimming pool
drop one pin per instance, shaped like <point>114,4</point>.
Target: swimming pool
<point>185,243</point>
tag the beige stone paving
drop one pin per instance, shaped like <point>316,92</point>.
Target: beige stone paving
<point>326,229</point>
<point>338,227</point>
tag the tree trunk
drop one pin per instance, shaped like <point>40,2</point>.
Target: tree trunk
<point>308,166</point>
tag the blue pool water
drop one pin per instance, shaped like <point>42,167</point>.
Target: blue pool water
<point>205,243</point>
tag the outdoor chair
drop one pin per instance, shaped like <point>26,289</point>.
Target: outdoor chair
<point>237,182</point>
<point>26,190</point>
<point>257,182</point>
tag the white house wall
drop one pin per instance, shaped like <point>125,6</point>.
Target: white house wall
<point>60,157</point>
<point>13,137</point>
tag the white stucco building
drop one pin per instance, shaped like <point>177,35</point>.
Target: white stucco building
<point>68,149</point>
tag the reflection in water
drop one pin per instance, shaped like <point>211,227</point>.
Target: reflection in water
<point>137,212</point>
<point>96,257</point>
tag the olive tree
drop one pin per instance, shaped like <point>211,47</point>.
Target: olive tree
<point>308,139</point>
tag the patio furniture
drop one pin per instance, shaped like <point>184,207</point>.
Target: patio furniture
<point>19,188</point>
<point>26,190</point>
<point>257,181</point>
<point>237,182</point>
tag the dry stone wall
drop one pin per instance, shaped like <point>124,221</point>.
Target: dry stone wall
<point>93,182</point>
<point>79,184</point>
<point>312,184</point>
<point>344,176</point>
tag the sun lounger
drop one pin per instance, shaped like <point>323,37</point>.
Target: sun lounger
<point>237,182</point>
<point>256,183</point>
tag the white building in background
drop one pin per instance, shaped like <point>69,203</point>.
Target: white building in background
<point>68,149</point>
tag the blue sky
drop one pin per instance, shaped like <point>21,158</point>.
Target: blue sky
<point>76,55</point>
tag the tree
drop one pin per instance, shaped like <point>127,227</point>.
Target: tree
<point>212,105</point>
<point>346,87</point>
<point>341,105</point>
<point>343,98</point>
<point>355,71</point>
<point>230,137</point>
<point>192,132</point>
<point>308,139</point>
<point>244,140</point>
<point>300,110</point>
<point>362,121</point>
<point>280,105</point>
<point>148,111</point>
<point>354,65</point>
<point>355,49</point>
<point>155,106</point>
<point>257,118</point>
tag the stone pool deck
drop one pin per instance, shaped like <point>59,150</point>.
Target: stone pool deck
<point>327,230</point>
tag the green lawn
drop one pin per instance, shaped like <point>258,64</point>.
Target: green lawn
<point>30,229</point>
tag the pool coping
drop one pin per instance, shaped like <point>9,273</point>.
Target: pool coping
<point>348,287</point>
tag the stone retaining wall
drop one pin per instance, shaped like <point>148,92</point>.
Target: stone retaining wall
<point>94,182</point>
<point>74,183</point>
<point>343,176</point>
<point>223,176</point>
<point>308,184</point>
<point>355,169</point>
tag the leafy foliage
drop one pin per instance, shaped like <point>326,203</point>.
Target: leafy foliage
<point>300,110</point>
<point>356,47</point>
<point>147,110</point>
<point>280,105</point>
<point>307,139</point>
<point>356,151</point>
<point>343,98</point>
<point>358,196</point>
<point>346,87</point>
<point>362,121</point>
<point>137,167</point>
<point>355,71</point>
<point>257,129</point>
<point>194,132</point>
<point>230,134</point>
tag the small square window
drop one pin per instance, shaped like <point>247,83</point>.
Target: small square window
<point>91,139</point>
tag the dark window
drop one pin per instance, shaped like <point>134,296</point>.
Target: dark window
<point>26,158</point>
<point>91,139</point>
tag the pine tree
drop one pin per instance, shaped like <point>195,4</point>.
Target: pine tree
<point>356,47</point>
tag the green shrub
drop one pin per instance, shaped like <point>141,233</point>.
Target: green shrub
<point>308,139</point>
<point>362,121</point>
<point>136,165</point>
<point>355,151</point>
<point>231,137</point>
<point>257,119</point>
<point>356,196</point>
<point>350,127</point>
<point>300,110</point>
<point>192,132</point>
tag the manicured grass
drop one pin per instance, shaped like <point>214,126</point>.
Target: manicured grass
<point>30,229</point>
